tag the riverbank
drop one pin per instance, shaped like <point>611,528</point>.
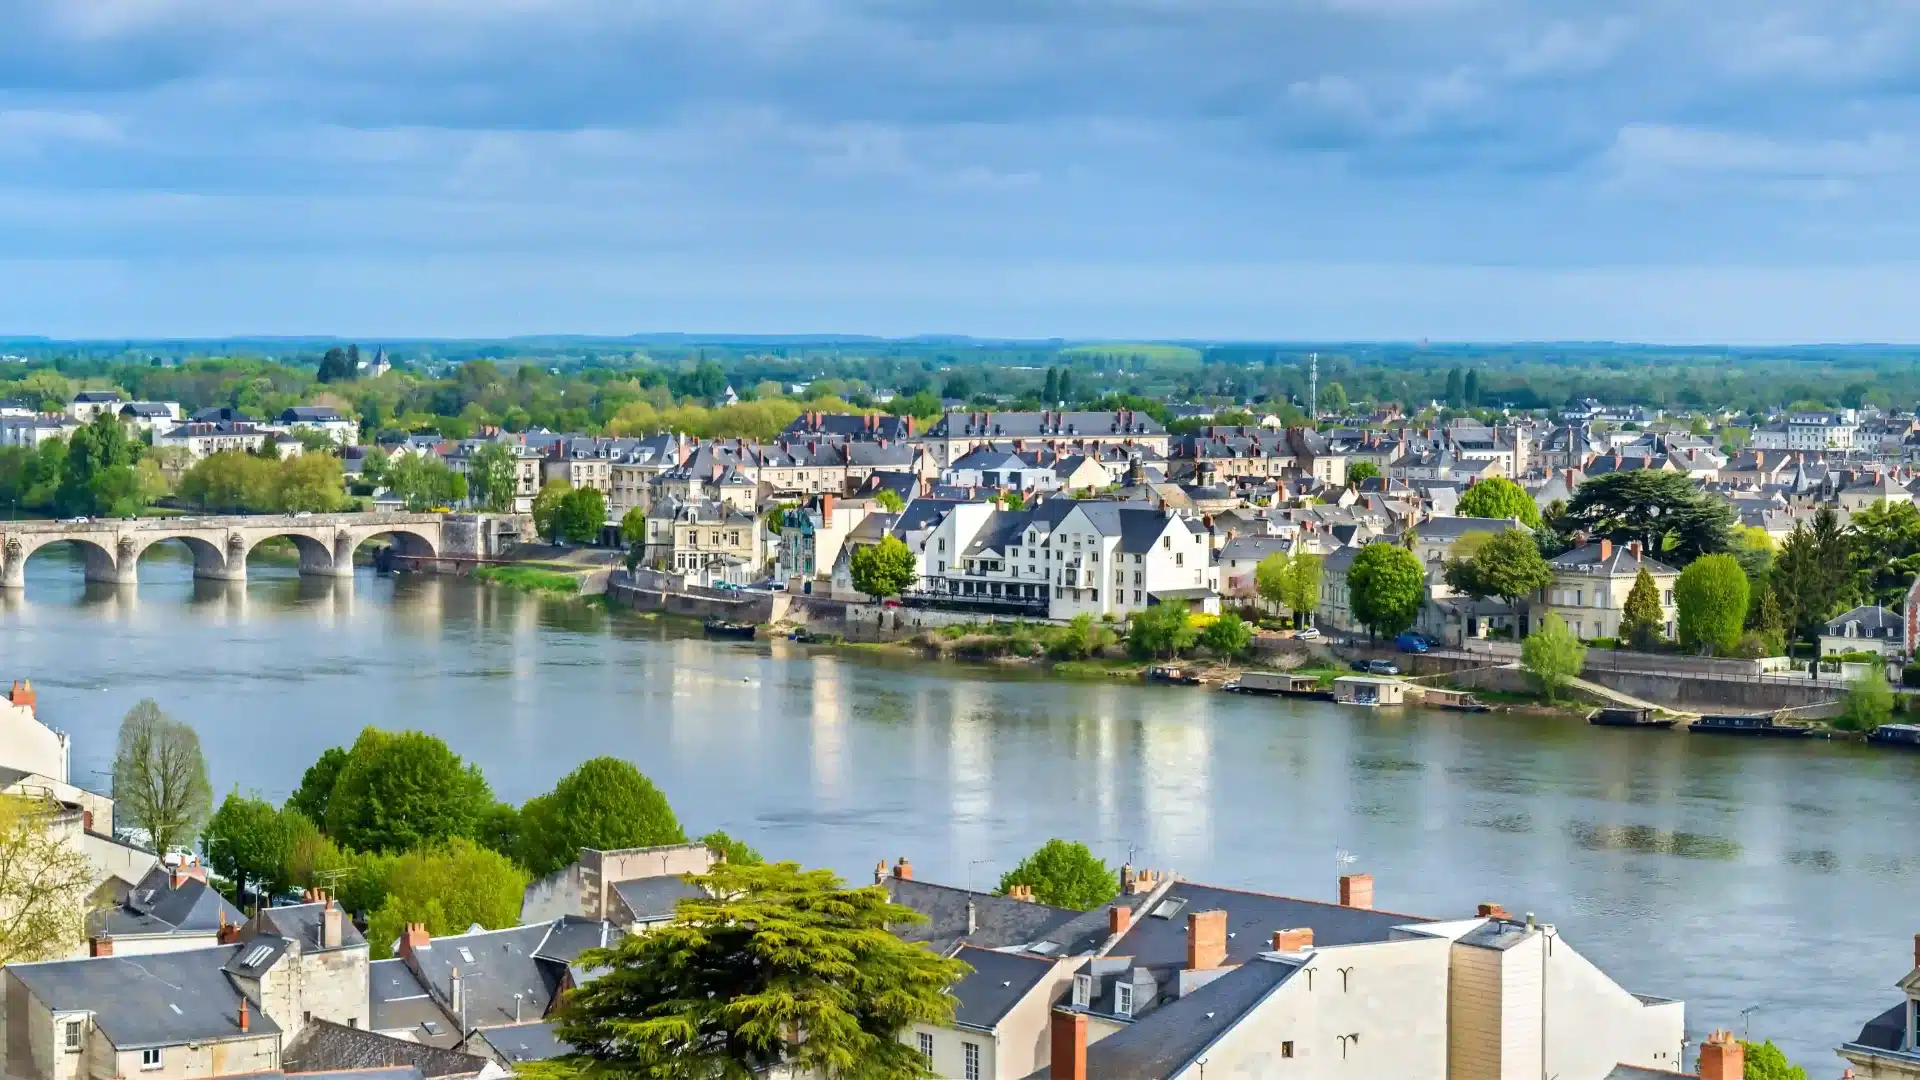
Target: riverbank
<point>535,579</point>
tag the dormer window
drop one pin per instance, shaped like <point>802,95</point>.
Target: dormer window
<point>1123,1000</point>
<point>1082,990</point>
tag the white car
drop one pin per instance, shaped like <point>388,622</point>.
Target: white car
<point>1311,633</point>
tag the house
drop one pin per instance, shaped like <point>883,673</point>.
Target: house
<point>1591,583</point>
<point>625,887</point>
<point>1888,1046</point>
<point>31,431</point>
<point>1000,1027</point>
<point>1879,488</point>
<point>1336,600</point>
<point>526,473</point>
<point>868,427</point>
<point>150,415</point>
<point>811,537</point>
<point>202,438</point>
<point>170,909</point>
<point>708,539</point>
<point>956,433</point>
<point>324,419</point>
<point>326,1046</point>
<point>1868,628</point>
<point>1435,540</point>
<point>511,1045</point>
<point>1238,560</point>
<point>1006,470</point>
<point>87,404</point>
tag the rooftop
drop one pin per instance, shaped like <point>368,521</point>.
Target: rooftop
<point>160,999</point>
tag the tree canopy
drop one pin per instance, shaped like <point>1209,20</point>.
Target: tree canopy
<point>1674,520</point>
<point>1064,874</point>
<point>1643,622</point>
<point>492,477</point>
<point>1386,587</point>
<point>250,843</point>
<point>1552,655</point>
<point>160,777</point>
<point>44,883</point>
<point>887,568</point>
<point>1160,630</point>
<point>1499,497</point>
<point>583,511</point>
<point>1813,577</point>
<point>1765,1061</point>
<point>1711,596</point>
<point>449,886</point>
<point>397,791</point>
<point>606,803</point>
<point>1506,564</point>
<point>1227,636</point>
<point>547,518</point>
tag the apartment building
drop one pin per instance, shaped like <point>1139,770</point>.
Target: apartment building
<point>710,538</point>
<point>1591,583</point>
<point>1888,1046</point>
<point>956,433</point>
<point>1218,455</point>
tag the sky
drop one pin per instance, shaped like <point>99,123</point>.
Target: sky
<point>1647,170</point>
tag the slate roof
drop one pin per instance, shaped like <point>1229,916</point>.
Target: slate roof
<point>311,414</point>
<point>1586,560</point>
<point>1497,935</point>
<point>96,396</point>
<point>572,935</point>
<point>999,982</point>
<point>1136,526</point>
<point>399,1003</point>
<point>146,408</point>
<point>1635,1072</point>
<point>1886,1031</point>
<point>1875,622</point>
<point>1046,424</point>
<point>155,906</point>
<point>652,899</point>
<point>1156,939</point>
<point>160,999</point>
<point>515,1043</point>
<point>324,1046</point>
<point>301,923</point>
<point>999,921</point>
<point>495,966</point>
<point>1161,1045</point>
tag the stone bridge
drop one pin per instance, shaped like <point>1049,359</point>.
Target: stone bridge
<point>220,545</point>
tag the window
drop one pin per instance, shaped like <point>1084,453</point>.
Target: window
<point>943,543</point>
<point>970,1052</point>
<point>73,1036</point>
<point>926,1047</point>
<point>1136,596</point>
<point>1123,1000</point>
<point>1136,577</point>
<point>1179,558</point>
<point>1082,991</point>
<point>1286,1048</point>
<point>150,1058</point>
<point>1166,543</point>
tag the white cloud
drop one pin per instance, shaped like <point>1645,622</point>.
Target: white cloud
<point>1567,48</point>
<point>1644,150</point>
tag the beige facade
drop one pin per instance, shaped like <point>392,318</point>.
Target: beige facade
<point>1591,584</point>
<point>586,887</point>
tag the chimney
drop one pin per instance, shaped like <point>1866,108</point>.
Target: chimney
<point>903,869</point>
<point>415,939</point>
<point>1633,548</point>
<point>86,820</point>
<point>973,916</point>
<point>1606,549</point>
<point>100,946</point>
<point>1119,917</point>
<point>456,995</point>
<point>243,1016</point>
<point>330,924</point>
<point>1356,891</point>
<point>1069,1049</point>
<point>22,694</point>
<point>1206,940</point>
<point>880,872</point>
<point>1495,911</point>
<point>1299,939</point>
<point>1722,1057</point>
<point>826,509</point>
<point>1022,893</point>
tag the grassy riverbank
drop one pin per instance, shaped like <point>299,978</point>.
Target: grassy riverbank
<point>530,579</point>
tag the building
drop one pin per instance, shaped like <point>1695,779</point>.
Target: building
<point>956,433</point>
<point>1591,583</point>
<point>31,431</point>
<point>324,419</point>
<point>1868,628</point>
<point>811,538</point>
<point>1000,470</point>
<point>626,887</point>
<point>202,438</point>
<point>87,404</point>
<point>858,427</point>
<point>1819,431</point>
<point>170,909</point>
<point>713,540</point>
<point>526,471</point>
<point>150,415</point>
<point>34,765</point>
<point>1888,1046</point>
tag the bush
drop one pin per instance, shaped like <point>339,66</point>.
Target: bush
<point>1603,643</point>
<point>1868,705</point>
<point>1755,644</point>
<point>1853,657</point>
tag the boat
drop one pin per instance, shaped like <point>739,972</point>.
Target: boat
<point>1633,718</point>
<point>1907,735</point>
<point>721,628</point>
<point>1279,684</point>
<point>1760,726</point>
<point>1369,691</point>
<point>1453,700</point>
<point>1167,673</point>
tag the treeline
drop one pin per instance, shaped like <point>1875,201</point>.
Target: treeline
<point>100,471</point>
<point>233,481</point>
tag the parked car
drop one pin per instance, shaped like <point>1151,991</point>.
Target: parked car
<point>1311,633</point>
<point>1410,642</point>
<point>1382,667</point>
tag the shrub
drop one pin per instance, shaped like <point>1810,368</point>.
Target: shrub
<point>1868,705</point>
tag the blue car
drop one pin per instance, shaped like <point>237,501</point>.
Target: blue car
<point>1412,643</point>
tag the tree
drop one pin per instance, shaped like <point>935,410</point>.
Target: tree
<point>889,500</point>
<point>1499,497</point>
<point>546,508</point>
<point>1455,387</point>
<point>1552,655</point>
<point>44,883</point>
<point>230,480</point>
<point>316,784</point>
<point>160,777</point>
<point>606,803</point>
<point>1470,389</point>
<point>1506,564</point>
<point>1361,471</point>
<point>1227,636</point>
<point>449,886</point>
<point>1765,1061</point>
<point>1886,543</point>
<point>1333,399</point>
<point>398,791</point>
<point>1079,639</point>
<point>633,533</point>
<point>1160,630</point>
<point>1812,578</point>
<point>729,850</point>
<point>1869,702</point>
<point>1290,581</point>
<point>884,569</point>
<point>1712,596</point>
<point>250,843</point>
<point>99,478</point>
<point>1673,519</point>
<point>1064,874</point>
<point>424,482</point>
<point>1387,586</point>
<point>583,513</point>
<point>1270,578</point>
<point>310,482</point>
<point>492,477</point>
<point>1644,622</point>
<point>335,367</point>
<point>775,968</point>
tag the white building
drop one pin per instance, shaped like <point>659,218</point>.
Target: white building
<point>88,404</point>
<point>321,418</point>
<point>203,438</point>
<point>34,430</point>
<point>1820,431</point>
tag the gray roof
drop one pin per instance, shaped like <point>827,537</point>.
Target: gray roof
<point>1622,562</point>
<point>1875,621</point>
<point>324,1046</point>
<point>391,1072</point>
<point>1886,1031</point>
<point>1164,1043</point>
<point>999,982</point>
<point>146,408</point>
<point>1455,527</point>
<point>155,906</point>
<point>1159,934</point>
<point>97,395</point>
<point>1136,526</point>
<point>301,923</point>
<point>1498,935</point>
<point>310,414</point>
<point>502,981</point>
<point>1635,1072</point>
<point>400,1003</point>
<point>999,921</point>
<point>160,999</point>
<point>572,935</point>
<point>515,1043</point>
<point>651,899</point>
<point>1046,424</point>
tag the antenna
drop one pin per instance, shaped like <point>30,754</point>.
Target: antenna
<point>1343,859</point>
<point>1313,389</point>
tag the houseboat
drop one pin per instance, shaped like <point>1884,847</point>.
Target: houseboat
<point>1907,735</point>
<point>1762,726</point>
<point>1166,673</point>
<point>1633,718</point>
<point>1369,691</point>
<point>1453,700</point>
<point>721,628</point>
<point>1279,684</point>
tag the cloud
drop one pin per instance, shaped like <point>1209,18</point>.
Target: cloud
<point>32,130</point>
<point>1644,149</point>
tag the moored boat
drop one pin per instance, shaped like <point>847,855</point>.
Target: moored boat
<point>1629,718</point>
<point>1453,700</point>
<point>1762,726</point>
<point>721,628</point>
<point>1907,735</point>
<point>1167,673</point>
<point>1279,684</point>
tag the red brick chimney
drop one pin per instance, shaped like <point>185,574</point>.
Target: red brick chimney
<point>1722,1057</point>
<point>1356,891</point>
<point>22,694</point>
<point>1119,918</point>
<point>1299,939</point>
<point>1493,911</point>
<point>1633,548</point>
<point>100,946</point>
<point>1206,940</point>
<point>415,939</point>
<point>1916,950</point>
<point>243,1016</point>
<point>1606,549</point>
<point>903,869</point>
<point>826,509</point>
<point>1069,1049</point>
<point>330,924</point>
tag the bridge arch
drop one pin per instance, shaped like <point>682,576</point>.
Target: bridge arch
<point>405,541</point>
<point>315,547</point>
<point>101,561</point>
<point>209,558</point>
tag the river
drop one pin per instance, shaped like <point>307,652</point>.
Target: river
<point>1732,873</point>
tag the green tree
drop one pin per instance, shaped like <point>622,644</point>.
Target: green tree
<point>1643,624</point>
<point>1813,578</point>
<point>547,519</point>
<point>424,482</point>
<point>99,467</point>
<point>1672,518</point>
<point>1270,579</point>
<point>249,843</point>
<point>45,880</point>
<point>889,500</point>
<point>1886,543</point>
<point>449,886</point>
<point>730,850</point>
<point>1302,593</point>
<point>1081,638</point>
<point>1333,399</point>
<point>1552,655</point>
<point>1869,702</point>
<point>1470,390</point>
<point>583,513</point>
<point>1765,1061</point>
<point>1712,596</point>
<point>230,481</point>
<point>160,778</point>
<point>398,791</point>
<point>311,482</point>
<point>633,533</point>
<point>1386,586</point>
<point>1064,874</point>
<point>1360,472</point>
<point>606,803</point>
<point>316,784</point>
<point>1506,564</point>
<point>776,967</point>
<point>1160,630</point>
<point>1455,388</point>
<point>884,569</point>
<point>1499,497</point>
<point>1227,636</point>
<point>492,477</point>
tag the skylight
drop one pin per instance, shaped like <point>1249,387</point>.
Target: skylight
<point>1168,908</point>
<point>257,956</point>
<point>466,955</point>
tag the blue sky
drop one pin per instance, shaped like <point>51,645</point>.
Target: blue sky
<point>1451,169</point>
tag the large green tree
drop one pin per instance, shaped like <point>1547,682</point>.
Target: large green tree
<point>160,777</point>
<point>547,518</point>
<point>583,513</point>
<point>1506,564</point>
<point>99,476</point>
<point>1711,596</point>
<point>1868,704</point>
<point>1386,587</point>
<point>45,879</point>
<point>1765,1061</point>
<point>1499,497</point>
<point>1227,636</point>
<point>424,482</point>
<point>606,803</point>
<point>1813,577</point>
<point>1666,512</point>
<point>1290,580</point>
<point>1064,874</point>
<point>1160,630</point>
<point>316,784</point>
<point>1886,542</point>
<point>884,569</point>
<point>777,968</point>
<point>492,477</point>
<point>1360,472</point>
<point>401,790</point>
<point>250,843</point>
<point>1643,622</point>
<point>449,886</point>
<point>1552,655</point>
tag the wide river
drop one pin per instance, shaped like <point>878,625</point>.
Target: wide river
<point>1735,874</point>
